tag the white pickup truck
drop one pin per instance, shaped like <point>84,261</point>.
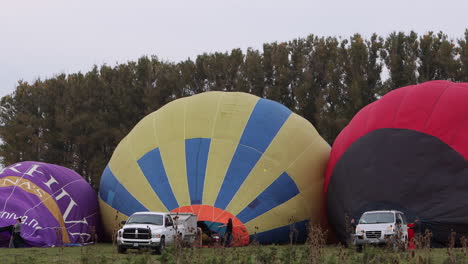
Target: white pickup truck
<point>382,227</point>
<point>156,230</point>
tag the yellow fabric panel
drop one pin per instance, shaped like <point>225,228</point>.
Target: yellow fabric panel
<point>232,114</point>
<point>296,135</point>
<point>280,216</point>
<point>308,168</point>
<point>200,115</point>
<point>170,121</point>
<point>143,137</point>
<point>126,170</point>
<point>170,129</point>
<point>111,219</point>
<point>314,169</point>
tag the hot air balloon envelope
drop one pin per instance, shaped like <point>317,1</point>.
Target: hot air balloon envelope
<point>56,205</point>
<point>220,155</point>
<point>407,151</point>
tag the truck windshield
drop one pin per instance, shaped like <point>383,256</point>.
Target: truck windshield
<point>377,218</point>
<point>146,219</point>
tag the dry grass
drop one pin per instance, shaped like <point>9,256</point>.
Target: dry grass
<point>306,253</point>
<point>313,251</point>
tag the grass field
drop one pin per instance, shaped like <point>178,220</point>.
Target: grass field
<point>106,253</point>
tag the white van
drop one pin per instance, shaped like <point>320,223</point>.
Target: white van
<point>381,227</point>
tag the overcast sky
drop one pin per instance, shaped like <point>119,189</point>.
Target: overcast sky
<point>43,38</point>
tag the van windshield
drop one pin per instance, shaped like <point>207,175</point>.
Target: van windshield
<point>146,219</point>
<point>377,218</point>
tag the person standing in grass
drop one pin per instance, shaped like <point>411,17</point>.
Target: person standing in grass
<point>16,240</point>
<point>352,232</point>
<point>228,233</point>
<point>413,229</point>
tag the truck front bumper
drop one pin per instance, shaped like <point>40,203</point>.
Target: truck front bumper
<point>138,243</point>
<point>363,240</point>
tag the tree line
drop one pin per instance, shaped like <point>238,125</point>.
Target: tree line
<point>77,120</point>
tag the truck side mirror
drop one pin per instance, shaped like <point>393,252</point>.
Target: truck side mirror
<point>168,223</point>
<point>123,222</point>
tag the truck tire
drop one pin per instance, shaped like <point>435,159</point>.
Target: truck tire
<point>162,246</point>
<point>121,249</point>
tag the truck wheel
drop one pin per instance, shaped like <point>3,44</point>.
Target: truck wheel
<point>162,246</point>
<point>121,249</point>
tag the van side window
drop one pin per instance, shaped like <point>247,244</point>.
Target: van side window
<point>402,219</point>
<point>168,221</point>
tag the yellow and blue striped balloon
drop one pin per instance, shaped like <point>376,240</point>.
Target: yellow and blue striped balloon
<point>220,155</point>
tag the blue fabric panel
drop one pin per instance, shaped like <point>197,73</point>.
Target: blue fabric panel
<point>215,226</point>
<point>115,195</point>
<point>153,168</point>
<point>242,163</point>
<point>280,235</point>
<point>280,191</point>
<point>108,185</point>
<point>266,120</point>
<point>110,195</point>
<point>196,156</point>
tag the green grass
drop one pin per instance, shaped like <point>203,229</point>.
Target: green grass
<point>106,253</point>
<point>100,253</point>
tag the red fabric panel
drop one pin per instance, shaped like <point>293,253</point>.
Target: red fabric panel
<point>385,110</point>
<point>417,106</point>
<point>448,114</point>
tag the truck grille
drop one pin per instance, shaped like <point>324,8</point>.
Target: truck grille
<point>137,233</point>
<point>373,234</point>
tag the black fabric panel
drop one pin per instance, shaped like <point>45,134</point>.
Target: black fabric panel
<point>8,229</point>
<point>404,170</point>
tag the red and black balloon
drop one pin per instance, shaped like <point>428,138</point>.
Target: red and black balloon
<point>407,151</point>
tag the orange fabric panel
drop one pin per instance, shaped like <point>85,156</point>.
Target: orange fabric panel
<point>240,235</point>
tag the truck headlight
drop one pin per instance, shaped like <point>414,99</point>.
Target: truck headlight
<point>359,231</point>
<point>389,230</point>
<point>155,235</point>
<point>119,234</point>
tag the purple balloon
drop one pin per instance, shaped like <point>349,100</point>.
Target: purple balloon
<point>56,205</point>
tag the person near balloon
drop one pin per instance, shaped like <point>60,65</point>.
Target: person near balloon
<point>413,229</point>
<point>353,226</point>
<point>16,240</point>
<point>352,232</point>
<point>228,233</point>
